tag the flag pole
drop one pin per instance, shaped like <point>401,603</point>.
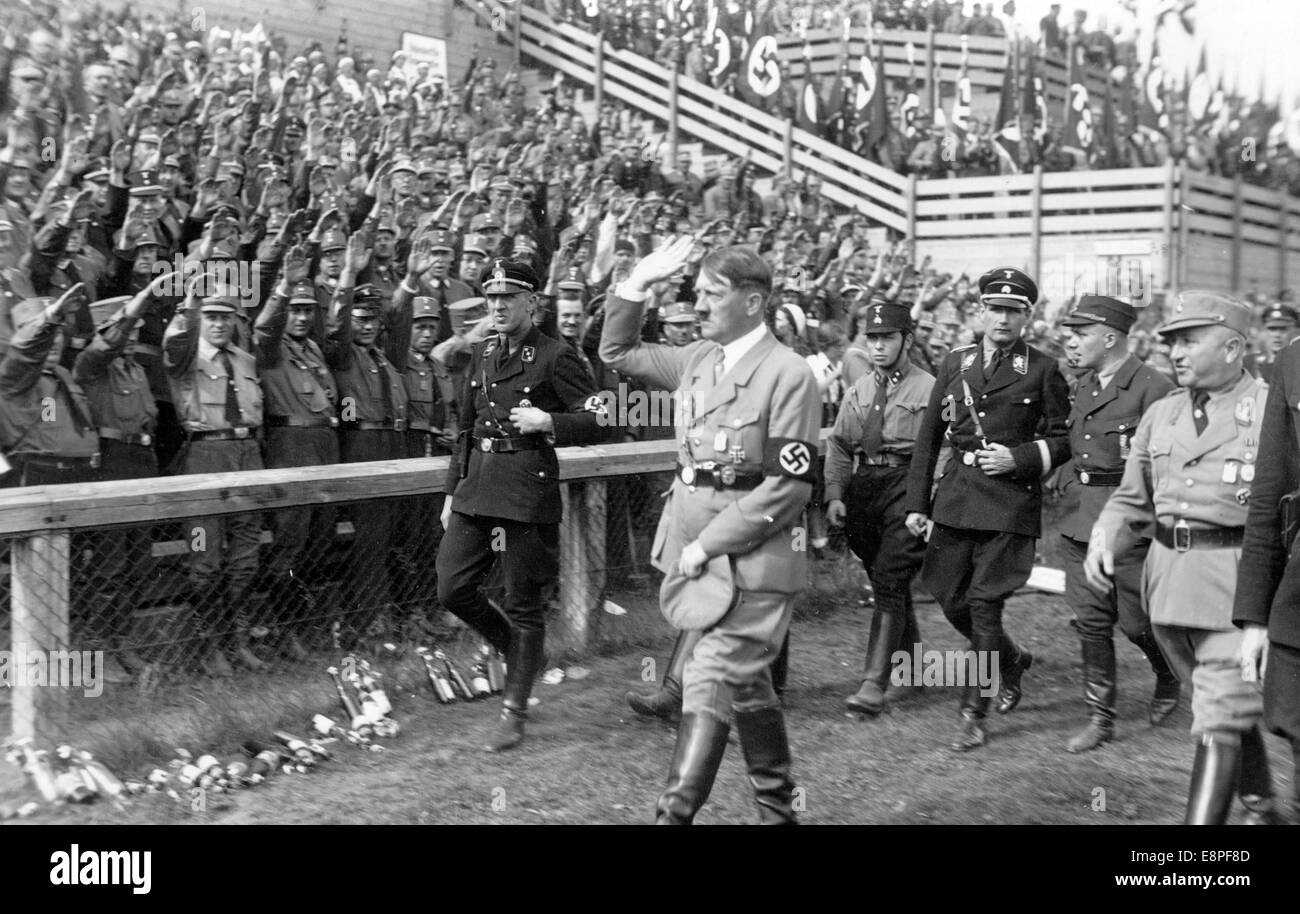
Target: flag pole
<point>930,94</point>
<point>1069,81</point>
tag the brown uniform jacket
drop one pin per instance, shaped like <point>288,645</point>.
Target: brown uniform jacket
<point>767,407</point>
<point>1174,473</point>
<point>905,402</point>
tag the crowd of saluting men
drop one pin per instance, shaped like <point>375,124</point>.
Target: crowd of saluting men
<point>238,260</point>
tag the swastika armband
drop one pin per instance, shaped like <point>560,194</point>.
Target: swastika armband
<point>790,457</point>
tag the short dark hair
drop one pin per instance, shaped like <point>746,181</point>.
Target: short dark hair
<point>741,267</point>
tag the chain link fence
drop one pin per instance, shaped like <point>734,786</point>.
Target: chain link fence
<point>130,639</point>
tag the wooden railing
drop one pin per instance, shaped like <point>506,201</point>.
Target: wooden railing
<point>1185,228</point>
<point>986,60</point>
<point>39,522</point>
<point>714,117</point>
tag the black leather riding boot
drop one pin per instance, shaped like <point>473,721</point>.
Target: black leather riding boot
<point>1255,783</point>
<point>767,756</point>
<point>781,666</point>
<point>1098,694</point>
<point>1014,662</point>
<point>666,701</point>
<point>1214,774</point>
<point>974,703</point>
<point>527,650</point>
<point>1168,691</point>
<point>701,741</point>
<point>884,633</point>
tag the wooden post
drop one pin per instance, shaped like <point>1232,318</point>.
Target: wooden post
<point>911,206</point>
<point>1168,228</point>
<point>519,17</point>
<point>599,74</point>
<point>672,115</point>
<point>1235,275</point>
<point>40,628</point>
<point>582,561</point>
<point>1184,224</point>
<point>1036,227</point>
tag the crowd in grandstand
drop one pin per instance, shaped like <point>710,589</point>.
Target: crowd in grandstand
<point>1125,134</point>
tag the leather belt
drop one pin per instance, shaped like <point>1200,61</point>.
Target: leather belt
<point>48,462</point>
<point>508,445</point>
<point>238,433</point>
<point>884,459</point>
<point>423,427</point>
<point>116,434</point>
<point>1182,537</point>
<point>302,422</point>
<point>1094,478</point>
<point>720,476</point>
<point>395,425</point>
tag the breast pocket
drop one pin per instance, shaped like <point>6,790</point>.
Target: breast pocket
<point>905,422</point>
<point>744,430</point>
<point>1161,451</point>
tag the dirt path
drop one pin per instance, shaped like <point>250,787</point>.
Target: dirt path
<point>589,760</point>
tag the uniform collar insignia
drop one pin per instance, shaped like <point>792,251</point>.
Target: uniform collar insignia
<point>529,353</point>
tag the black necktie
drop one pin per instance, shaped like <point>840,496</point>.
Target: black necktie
<point>503,352</point>
<point>233,418</point>
<point>993,364</point>
<point>385,382</point>
<point>1200,416</point>
<point>873,429</point>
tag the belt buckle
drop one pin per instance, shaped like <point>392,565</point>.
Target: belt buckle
<point>687,474</point>
<point>94,461</point>
<point>485,445</point>
<point>968,458</point>
<point>1084,477</point>
<point>727,475</point>
<point>399,425</point>
<point>1182,535</point>
<point>146,440</point>
<point>241,431</point>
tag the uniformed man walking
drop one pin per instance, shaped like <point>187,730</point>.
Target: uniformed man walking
<point>524,394</point>
<point>1267,602</point>
<point>1002,405</point>
<point>727,539</point>
<point>1193,461</point>
<point>876,429</point>
<point>1113,393</point>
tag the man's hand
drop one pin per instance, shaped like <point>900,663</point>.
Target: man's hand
<point>530,420</point>
<point>445,517</point>
<point>296,263</point>
<point>835,512</point>
<point>1099,565</point>
<point>693,560</point>
<point>421,258</point>
<point>916,522</point>
<point>71,301</point>
<point>661,264</point>
<point>995,460</point>
<point>1254,653</point>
